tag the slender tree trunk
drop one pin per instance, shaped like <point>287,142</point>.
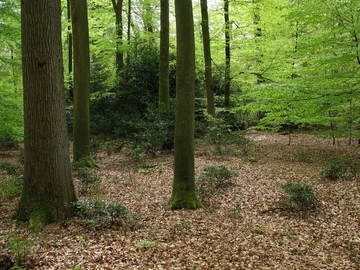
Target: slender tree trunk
<point>227,53</point>
<point>184,192</point>
<point>128,30</point>
<point>164,102</point>
<point>81,124</point>
<point>70,53</point>
<point>207,58</point>
<point>118,8</point>
<point>48,188</point>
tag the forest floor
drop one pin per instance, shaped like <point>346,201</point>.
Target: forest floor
<point>240,228</point>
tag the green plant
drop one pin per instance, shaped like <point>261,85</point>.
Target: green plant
<point>337,167</point>
<point>77,267</point>
<point>102,212</point>
<point>21,248</point>
<point>146,244</point>
<point>10,168</point>
<point>10,187</point>
<point>224,140</point>
<point>87,177</point>
<point>212,179</point>
<point>353,252</point>
<point>260,230</point>
<point>235,211</point>
<point>299,197</point>
<point>302,156</point>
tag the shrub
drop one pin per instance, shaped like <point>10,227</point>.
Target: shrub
<point>87,177</point>
<point>212,179</point>
<point>225,141</point>
<point>10,168</point>
<point>10,187</point>
<point>299,197</point>
<point>337,167</point>
<point>102,212</point>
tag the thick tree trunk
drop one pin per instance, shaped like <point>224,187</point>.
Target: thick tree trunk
<point>118,8</point>
<point>48,188</point>
<point>81,124</point>
<point>207,58</point>
<point>164,103</point>
<point>184,192</point>
<point>227,53</point>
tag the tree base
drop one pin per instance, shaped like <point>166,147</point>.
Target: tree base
<point>183,200</point>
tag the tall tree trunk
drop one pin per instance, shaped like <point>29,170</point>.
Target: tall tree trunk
<point>128,30</point>
<point>183,192</point>
<point>48,188</point>
<point>164,102</point>
<point>227,53</point>
<point>118,8</point>
<point>207,58</point>
<point>81,124</point>
<point>70,53</point>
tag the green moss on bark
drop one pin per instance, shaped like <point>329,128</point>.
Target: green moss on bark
<point>39,213</point>
<point>184,200</point>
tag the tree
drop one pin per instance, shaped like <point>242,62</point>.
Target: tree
<point>207,58</point>
<point>81,124</point>
<point>11,108</point>
<point>70,53</point>
<point>183,192</point>
<point>164,103</point>
<point>118,8</point>
<point>227,53</point>
<point>48,189</point>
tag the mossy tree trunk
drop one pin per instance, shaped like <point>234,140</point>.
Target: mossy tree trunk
<point>184,192</point>
<point>118,8</point>
<point>227,53</point>
<point>48,188</point>
<point>164,103</point>
<point>81,116</point>
<point>207,58</point>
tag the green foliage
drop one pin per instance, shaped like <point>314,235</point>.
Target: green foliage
<point>337,167</point>
<point>212,179</point>
<point>21,247</point>
<point>303,156</point>
<point>11,109</point>
<point>220,135</point>
<point>299,197</point>
<point>10,168</point>
<point>146,244</point>
<point>87,176</point>
<point>157,133</point>
<point>10,187</point>
<point>103,213</point>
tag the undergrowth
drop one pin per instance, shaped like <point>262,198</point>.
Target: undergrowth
<point>298,197</point>
<point>104,213</point>
<point>212,179</point>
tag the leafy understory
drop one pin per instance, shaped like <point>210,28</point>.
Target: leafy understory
<point>234,231</point>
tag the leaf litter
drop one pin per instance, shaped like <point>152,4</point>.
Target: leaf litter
<point>235,231</point>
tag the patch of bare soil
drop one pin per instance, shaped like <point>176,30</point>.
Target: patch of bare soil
<point>234,232</point>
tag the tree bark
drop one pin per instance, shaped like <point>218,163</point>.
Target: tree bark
<point>227,53</point>
<point>70,54</point>
<point>118,8</point>
<point>81,124</point>
<point>184,192</point>
<point>207,58</point>
<point>164,102</point>
<point>48,189</point>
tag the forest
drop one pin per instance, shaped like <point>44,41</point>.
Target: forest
<point>185,134</point>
